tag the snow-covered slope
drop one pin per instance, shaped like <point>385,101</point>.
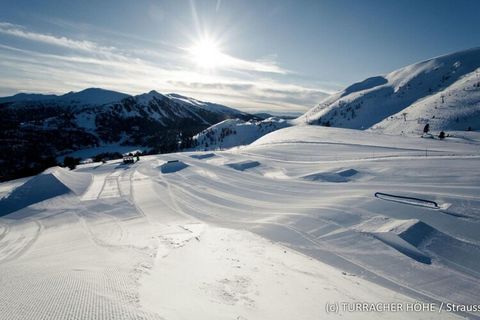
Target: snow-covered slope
<point>457,108</point>
<point>305,216</point>
<point>443,91</point>
<point>235,132</point>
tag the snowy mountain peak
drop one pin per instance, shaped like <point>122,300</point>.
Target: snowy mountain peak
<point>443,91</point>
<point>145,98</point>
<point>94,96</point>
<point>155,93</point>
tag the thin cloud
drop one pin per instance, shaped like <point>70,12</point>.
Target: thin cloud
<point>258,66</point>
<point>19,31</point>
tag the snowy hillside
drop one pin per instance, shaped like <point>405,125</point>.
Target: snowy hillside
<point>444,91</point>
<point>235,132</point>
<point>455,108</point>
<point>305,216</point>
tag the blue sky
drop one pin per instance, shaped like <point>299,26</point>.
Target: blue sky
<point>253,55</point>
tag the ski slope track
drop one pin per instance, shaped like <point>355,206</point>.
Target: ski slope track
<point>276,229</point>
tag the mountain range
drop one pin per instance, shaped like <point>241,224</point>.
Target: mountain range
<point>36,129</point>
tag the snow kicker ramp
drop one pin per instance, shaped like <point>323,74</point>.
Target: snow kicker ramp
<point>243,165</point>
<point>48,184</point>
<point>424,243</point>
<point>340,176</point>
<point>172,166</point>
<point>202,156</point>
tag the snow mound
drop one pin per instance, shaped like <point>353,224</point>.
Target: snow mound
<point>77,182</point>
<point>405,236</point>
<point>243,165</point>
<point>413,231</point>
<point>423,243</point>
<point>202,156</point>
<point>276,174</point>
<point>172,166</point>
<point>49,184</point>
<point>339,176</point>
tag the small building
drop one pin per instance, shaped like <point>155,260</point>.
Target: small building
<point>128,159</point>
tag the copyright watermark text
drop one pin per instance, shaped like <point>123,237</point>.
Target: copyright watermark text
<point>351,307</point>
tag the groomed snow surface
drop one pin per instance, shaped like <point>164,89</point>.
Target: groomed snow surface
<point>304,216</point>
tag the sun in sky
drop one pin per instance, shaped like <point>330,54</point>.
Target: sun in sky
<point>206,54</point>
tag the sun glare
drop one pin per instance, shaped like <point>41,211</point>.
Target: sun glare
<point>206,54</point>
